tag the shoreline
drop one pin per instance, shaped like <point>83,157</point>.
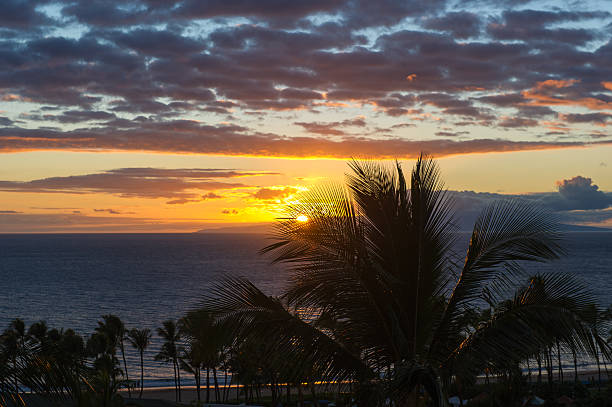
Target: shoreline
<point>189,393</point>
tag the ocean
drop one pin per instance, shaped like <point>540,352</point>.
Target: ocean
<point>70,280</point>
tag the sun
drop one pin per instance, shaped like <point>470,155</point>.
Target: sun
<point>302,218</point>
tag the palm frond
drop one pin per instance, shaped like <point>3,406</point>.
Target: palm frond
<point>292,344</point>
<point>550,309</point>
<point>505,234</point>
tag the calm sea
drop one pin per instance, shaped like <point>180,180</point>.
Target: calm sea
<point>70,280</point>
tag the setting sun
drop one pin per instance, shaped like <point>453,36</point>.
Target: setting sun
<point>302,218</point>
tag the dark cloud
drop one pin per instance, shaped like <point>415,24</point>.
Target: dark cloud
<point>267,9</point>
<point>110,211</point>
<point>460,24</point>
<point>147,42</point>
<point>332,128</point>
<point>76,116</point>
<point>451,133</point>
<point>599,118</point>
<point>21,14</point>
<point>531,26</point>
<point>207,196</point>
<point>517,122</point>
<point>191,137</point>
<point>177,184</point>
<point>211,195</point>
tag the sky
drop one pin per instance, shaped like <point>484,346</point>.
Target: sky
<point>158,116</point>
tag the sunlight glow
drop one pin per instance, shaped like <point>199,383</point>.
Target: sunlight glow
<point>302,218</point>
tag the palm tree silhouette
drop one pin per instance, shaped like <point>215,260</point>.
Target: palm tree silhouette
<point>206,342</point>
<point>140,339</point>
<point>376,262</point>
<point>169,352</point>
<point>113,328</point>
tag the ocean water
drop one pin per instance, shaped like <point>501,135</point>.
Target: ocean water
<point>70,280</point>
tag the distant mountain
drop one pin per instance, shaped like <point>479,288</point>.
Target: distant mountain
<point>581,228</point>
<point>266,228</point>
<point>255,228</point>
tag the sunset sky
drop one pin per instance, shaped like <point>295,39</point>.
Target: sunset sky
<point>152,116</point>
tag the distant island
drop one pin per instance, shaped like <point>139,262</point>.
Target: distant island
<point>255,228</point>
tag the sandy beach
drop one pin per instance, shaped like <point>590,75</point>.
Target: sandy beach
<point>189,394</point>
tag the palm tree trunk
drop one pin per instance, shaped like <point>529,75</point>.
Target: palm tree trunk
<point>141,372</point>
<point>178,378</point>
<point>575,364</point>
<point>207,385</point>
<point>15,378</point>
<point>539,360</point>
<point>549,365</point>
<point>175,382</point>
<point>559,362</point>
<point>127,378</point>
<point>598,370</point>
<point>314,394</point>
<point>228,388</point>
<point>300,394</point>
<point>528,371</point>
<point>197,379</point>
<point>217,393</point>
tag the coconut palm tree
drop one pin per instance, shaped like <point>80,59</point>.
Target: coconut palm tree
<point>377,258</point>
<point>140,339</point>
<point>113,328</point>
<point>170,351</point>
<point>206,342</point>
<point>14,345</point>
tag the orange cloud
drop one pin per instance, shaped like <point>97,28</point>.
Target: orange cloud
<point>554,83</point>
<point>269,193</point>
<point>543,95</point>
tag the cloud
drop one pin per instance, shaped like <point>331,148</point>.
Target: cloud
<point>77,222</point>
<point>179,185</point>
<point>332,128</point>
<point>580,193</point>
<point>111,211</point>
<point>211,195</point>
<point>460,24</point>
<point>8,212</point>
<point>269,193</point>
<point>130,75</point>
<point>21,15</point>
<point>578,200</point>
<point>599,118</point>
<point>180,137</point>
<point>451,133</point>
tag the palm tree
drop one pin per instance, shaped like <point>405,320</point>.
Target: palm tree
<point>377,258</point>
<point>113,328</point>
<point>169,352</point>
<point>206,342</point>
<point>14,341</point>
<point>140,339</point>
